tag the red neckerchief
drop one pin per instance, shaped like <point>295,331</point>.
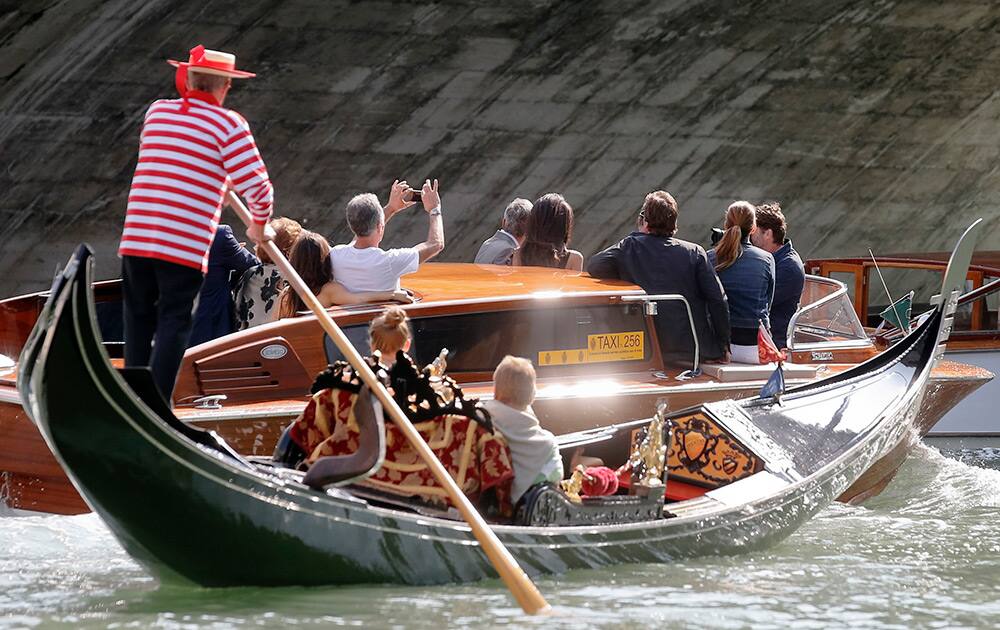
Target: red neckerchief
<point>208,97</point>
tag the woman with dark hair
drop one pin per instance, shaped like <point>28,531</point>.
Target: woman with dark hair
<point>310,258</point>
<point>747,275</point>
<point>547,236</point>
<point>260,286</point>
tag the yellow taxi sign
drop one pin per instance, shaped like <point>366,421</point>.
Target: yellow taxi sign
<point>625,346</point>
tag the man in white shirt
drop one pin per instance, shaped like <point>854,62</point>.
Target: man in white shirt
<point>364,266</point>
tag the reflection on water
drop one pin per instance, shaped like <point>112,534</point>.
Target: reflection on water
<point>925,552</point>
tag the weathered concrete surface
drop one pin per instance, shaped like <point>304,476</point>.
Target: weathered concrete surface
<point>873,122</point>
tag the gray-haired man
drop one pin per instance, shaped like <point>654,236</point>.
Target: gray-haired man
<point>364,266</point>
<point>499,248</point>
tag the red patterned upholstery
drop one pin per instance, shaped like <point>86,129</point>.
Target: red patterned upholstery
<point>477,459</point>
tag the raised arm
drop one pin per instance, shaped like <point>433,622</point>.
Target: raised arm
<point>435,231</point>
<point>397,201</point>
<point>231,254</point>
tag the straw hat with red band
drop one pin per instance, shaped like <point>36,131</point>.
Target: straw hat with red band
<point>201,59</point>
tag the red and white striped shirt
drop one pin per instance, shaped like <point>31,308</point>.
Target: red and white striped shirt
<point>185,157</point>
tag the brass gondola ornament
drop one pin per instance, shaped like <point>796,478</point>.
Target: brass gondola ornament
<point>574,485</point>
<point>649,456</point>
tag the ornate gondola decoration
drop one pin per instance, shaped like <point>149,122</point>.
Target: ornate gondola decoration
<point>650,445</point>
<point>212,507</point>
<point>705,454</point>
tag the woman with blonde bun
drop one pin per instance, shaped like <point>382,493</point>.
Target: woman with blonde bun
<point>389,333</point>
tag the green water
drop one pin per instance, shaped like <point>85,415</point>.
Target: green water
<point>926,553</point>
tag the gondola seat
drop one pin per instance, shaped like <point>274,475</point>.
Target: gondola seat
<point>331,426</point>
<point>305,442</point>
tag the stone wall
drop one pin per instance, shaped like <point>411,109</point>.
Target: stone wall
<point>874,122</point>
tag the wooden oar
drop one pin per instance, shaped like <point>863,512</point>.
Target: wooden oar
<point>514,577</point>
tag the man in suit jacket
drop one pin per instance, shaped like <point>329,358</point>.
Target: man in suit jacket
<point>789,273</point>
<point>499,248</point>
<point>659,263</point>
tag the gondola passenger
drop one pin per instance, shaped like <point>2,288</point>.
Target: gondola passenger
<point>534,450</point>
<point>389,333</point>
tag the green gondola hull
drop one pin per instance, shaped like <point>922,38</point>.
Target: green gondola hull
<point>188,511</point>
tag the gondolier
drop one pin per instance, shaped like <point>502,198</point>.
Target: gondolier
<point>190,150</point>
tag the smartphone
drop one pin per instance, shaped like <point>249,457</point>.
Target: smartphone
<point>414,195</point>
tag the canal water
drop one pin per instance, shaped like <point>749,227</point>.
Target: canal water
<point>926,553</point>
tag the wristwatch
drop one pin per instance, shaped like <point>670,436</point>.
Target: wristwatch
<point>435,211</point>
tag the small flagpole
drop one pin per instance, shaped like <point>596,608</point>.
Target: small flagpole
<point>892,302</point>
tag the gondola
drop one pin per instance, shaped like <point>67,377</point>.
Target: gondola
<point>186,506</point>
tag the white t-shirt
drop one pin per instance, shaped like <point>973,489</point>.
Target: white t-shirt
<point>372,268</point>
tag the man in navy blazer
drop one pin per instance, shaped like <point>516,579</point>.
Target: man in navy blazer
<point>215,316</point>
<point>659,263</point>
<point>789,273</point>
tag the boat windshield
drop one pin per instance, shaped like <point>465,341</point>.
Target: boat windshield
<point>827,315</point>
<point>557,339</point>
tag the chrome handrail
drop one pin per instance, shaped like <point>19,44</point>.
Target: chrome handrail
<point>674,297</point>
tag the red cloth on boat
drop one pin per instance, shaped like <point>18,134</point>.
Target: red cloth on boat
<point>477,459</point>
<point>767,352</point>
<point>599,481</point>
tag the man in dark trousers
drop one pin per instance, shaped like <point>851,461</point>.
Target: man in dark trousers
<point>216,313</point>
<point>659,263</point>
<point>789,273</point>
<point>190,151</point>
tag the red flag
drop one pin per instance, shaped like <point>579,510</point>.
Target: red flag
<point>766,350</point>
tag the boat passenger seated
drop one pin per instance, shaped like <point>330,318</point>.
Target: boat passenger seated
<point>309,257</point>
<point>534,450</point>
<point>389,333</point>
<point>258,289</point>
<point>747,275</point>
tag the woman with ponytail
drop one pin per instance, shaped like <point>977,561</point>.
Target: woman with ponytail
<point>547,236</point>
<point>747,275</point>
<point>310,257</point>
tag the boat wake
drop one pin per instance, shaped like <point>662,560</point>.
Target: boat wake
<point>947,484</point>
